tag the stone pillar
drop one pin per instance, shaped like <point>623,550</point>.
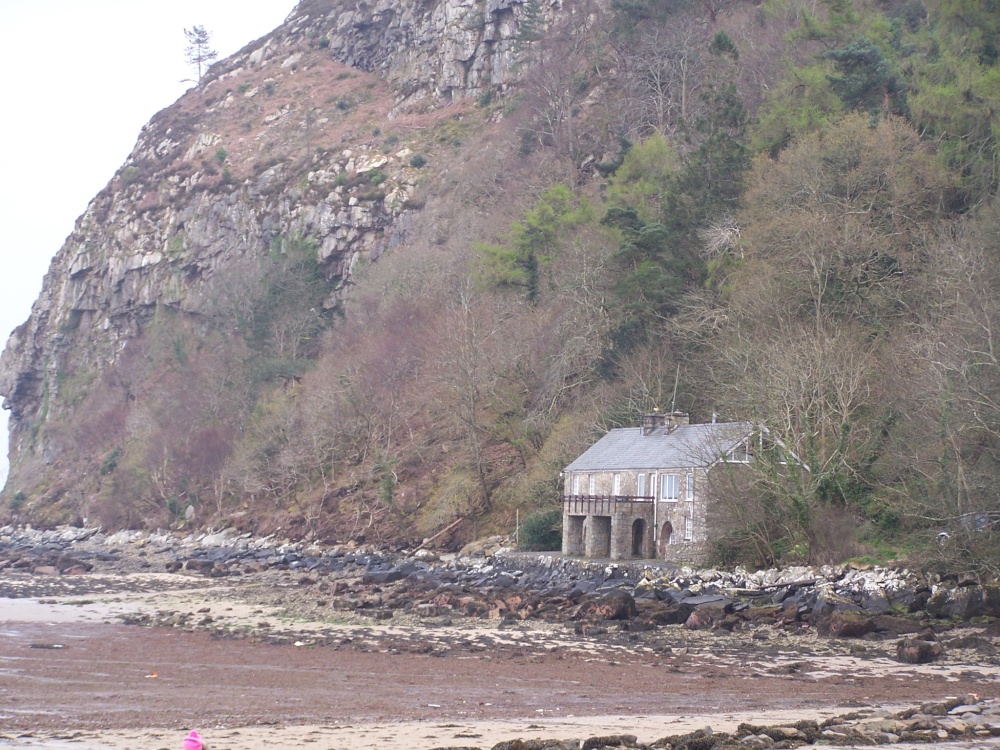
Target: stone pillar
<point>597,542</point>
<point>621,536</point>
<point>572,535</point>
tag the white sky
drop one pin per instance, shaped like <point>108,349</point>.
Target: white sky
<point>83,76</point>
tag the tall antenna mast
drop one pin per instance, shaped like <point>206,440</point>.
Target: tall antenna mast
<point>673,399</point>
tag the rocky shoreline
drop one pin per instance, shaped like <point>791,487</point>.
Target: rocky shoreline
<point>954,719</point>
<point>491,603</point>
<point>494,583</point>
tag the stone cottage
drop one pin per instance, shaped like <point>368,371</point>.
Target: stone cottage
<point>642,492</point>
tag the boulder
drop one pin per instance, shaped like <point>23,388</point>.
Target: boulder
<point>675,614</point>
<point>510,745</point>
<point>765,614</point>
<point>829,603</point>
<point>615,740</point>
<point>382,575</point>
<point>893,624</point>
<point>912,651</point>
<point>66,563</point>
<point>702,739</point>
<point>708,616</point>
<point>991,599</point>
<point>848,625</point>
<point>941,603</point>
<point>876,602</point>
<point>616,605</point>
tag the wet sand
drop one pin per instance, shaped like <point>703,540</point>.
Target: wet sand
<point>71,676</point>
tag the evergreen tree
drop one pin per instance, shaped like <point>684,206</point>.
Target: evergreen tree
<point>864,79</point>
<point>199,50</point>
<point>530,26</point>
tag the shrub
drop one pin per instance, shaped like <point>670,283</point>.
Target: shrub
<point>324,43</point>
<point>417,161</point>
<point>110,462</point>
<point>269,88</point>
<point>128,174</point>
<point>541,531</point>
<point>244,87</point>
<point>221,154</point>
<point>377,177</point>
<point>17,501</point>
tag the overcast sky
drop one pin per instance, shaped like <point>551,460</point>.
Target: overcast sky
<point>83,76</point>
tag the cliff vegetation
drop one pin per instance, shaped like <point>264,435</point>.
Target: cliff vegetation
<point>386,271</point>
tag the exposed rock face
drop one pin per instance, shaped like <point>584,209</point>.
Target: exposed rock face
<point>425,49</point>
<point>234,170</point>
<point>447,49</point>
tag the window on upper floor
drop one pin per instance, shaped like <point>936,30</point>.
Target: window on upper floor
<point>670,486</point>
<point>576,484</point>
<point>593,484</point>
<point>641,485</point>
<point>740,454</point>
<point>617,485</point>
<point>689,483</point>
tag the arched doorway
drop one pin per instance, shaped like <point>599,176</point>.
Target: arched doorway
<point>665,538</point>
<point>638,537</point>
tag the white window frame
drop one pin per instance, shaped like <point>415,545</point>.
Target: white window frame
<point>740,454</point>
<point>688,528</point>
<point>670,489</point>
<point>617,485</point>
<point>689,482</point>
<point>592,485</point>
<point>576,484</point>
<point>640,489</point>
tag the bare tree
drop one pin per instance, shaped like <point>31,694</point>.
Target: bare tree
<point>663,70</point>
<point>949,391</point>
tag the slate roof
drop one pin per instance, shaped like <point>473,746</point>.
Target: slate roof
<point>692,445</point>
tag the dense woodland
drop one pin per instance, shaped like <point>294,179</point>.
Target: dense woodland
<point>784,209</point>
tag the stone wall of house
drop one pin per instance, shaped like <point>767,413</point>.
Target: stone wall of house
<point>696,550</point>
<point>604,528</point>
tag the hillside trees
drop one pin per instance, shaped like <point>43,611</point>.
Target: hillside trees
<point>950,431</point>
<point>658,257</point>
<point>558,79</point>
<point>663,67</point>
<point>833,246</point>
<point>954,78</point>
<point>533,242</point>
<point>157,428</point>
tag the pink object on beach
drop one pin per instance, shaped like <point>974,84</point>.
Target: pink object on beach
<point>193,741</point>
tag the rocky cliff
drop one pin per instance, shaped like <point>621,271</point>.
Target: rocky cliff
<point>280,143</point>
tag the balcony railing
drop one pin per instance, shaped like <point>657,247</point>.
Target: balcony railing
<point>594,504</point>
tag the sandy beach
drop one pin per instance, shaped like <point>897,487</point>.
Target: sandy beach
<point>73,676</point>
